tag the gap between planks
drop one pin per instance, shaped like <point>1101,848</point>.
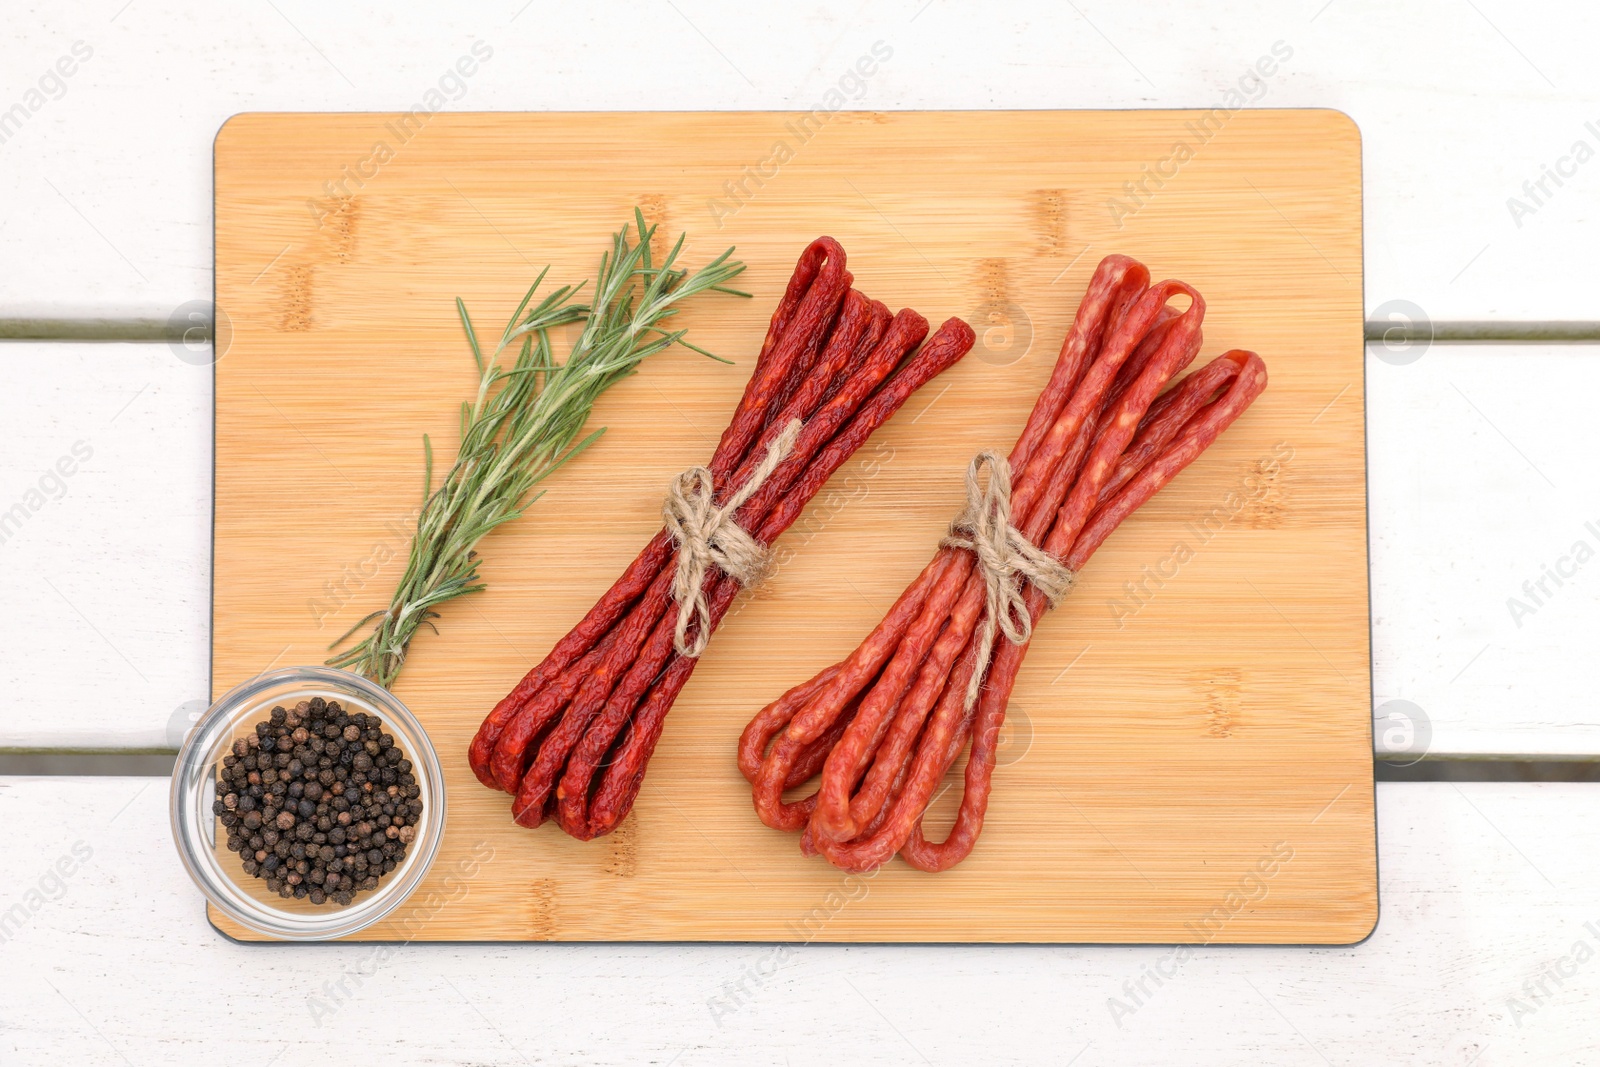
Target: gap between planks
<point>1465,331</point>
<point>86,763</point>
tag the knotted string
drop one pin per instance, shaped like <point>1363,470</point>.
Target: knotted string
<point>707,536</point>
<point>1004,555</point>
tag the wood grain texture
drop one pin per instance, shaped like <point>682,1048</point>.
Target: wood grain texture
<point>1161,753</point>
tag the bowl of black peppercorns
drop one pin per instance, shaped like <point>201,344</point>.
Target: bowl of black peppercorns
<point>307,803</point>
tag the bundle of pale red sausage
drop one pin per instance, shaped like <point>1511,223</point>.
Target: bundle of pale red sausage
<point>883,727</point>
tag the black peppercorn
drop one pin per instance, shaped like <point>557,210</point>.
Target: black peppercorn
<point>318,802</point>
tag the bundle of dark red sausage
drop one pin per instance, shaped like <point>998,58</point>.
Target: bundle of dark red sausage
<point>572,740</point>
<point>883,727</point>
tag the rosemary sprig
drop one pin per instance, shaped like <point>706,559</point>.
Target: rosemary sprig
<point>522,423</point>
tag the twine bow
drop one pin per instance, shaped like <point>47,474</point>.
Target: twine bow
<point>1004,555</point>
<point>707,536</point>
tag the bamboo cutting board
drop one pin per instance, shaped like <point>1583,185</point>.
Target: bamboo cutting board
<point>1189,751</point>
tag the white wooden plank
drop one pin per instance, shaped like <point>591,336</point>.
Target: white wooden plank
<point>1461,443</point>
<point>105,543</point>
<point>1481,479</point>
<point>108,170</point>
<point>1485,953</point>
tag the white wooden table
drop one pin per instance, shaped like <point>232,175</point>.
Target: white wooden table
<point>1488,947</point>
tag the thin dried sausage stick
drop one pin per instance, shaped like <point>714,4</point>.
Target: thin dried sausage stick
<point>850,678</point>
<point>1116,282</point>
<point>933,758</point>
<point>599,619</point>
<point>805,330</point>
<point>944,349</point>
<point>1202,430</point>
<point>774,717</point>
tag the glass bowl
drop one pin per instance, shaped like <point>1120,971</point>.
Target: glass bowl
<point>218,872</point>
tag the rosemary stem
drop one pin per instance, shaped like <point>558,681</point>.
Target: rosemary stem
<point>524,420</point>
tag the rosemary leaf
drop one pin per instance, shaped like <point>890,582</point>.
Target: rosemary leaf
<point>524,422</point>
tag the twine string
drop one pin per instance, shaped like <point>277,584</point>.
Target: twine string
<point>1005,558</point>
<point>707,536</point>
